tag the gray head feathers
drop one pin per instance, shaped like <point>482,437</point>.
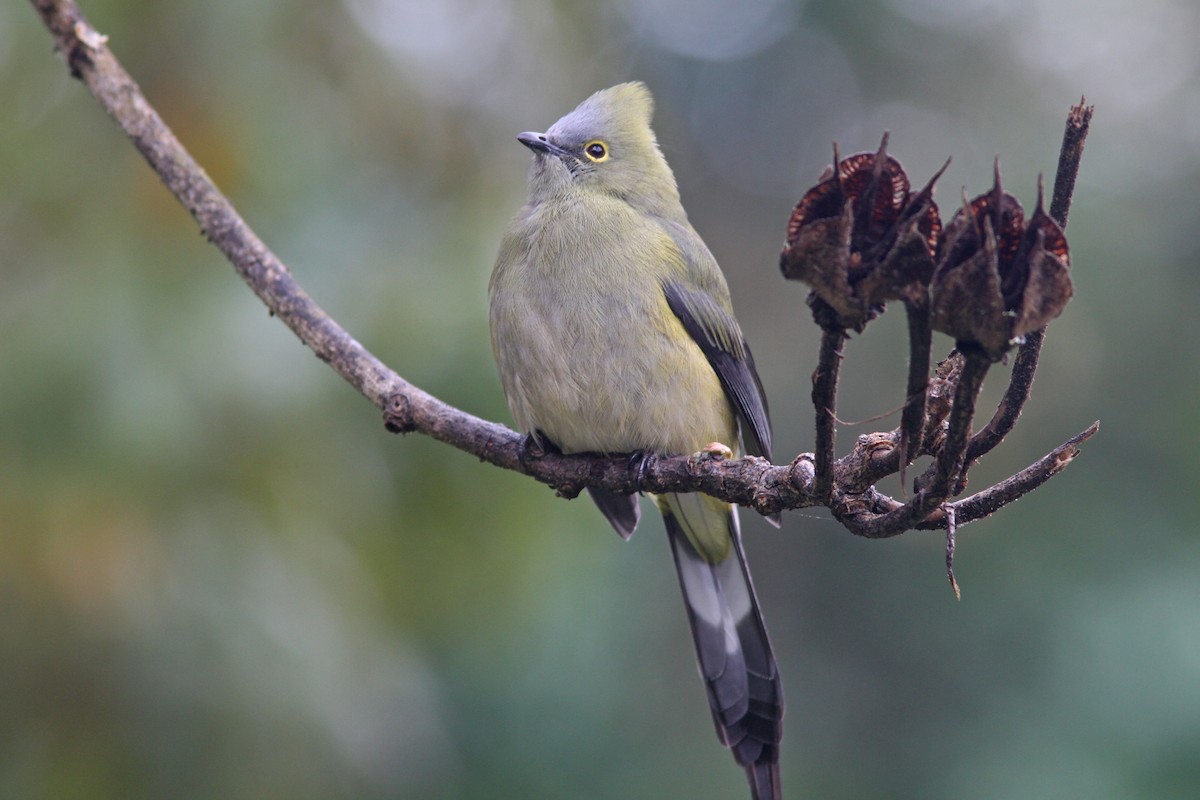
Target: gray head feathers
<point>606,144</point>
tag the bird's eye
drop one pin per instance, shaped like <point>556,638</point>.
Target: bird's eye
<point>596,150</point>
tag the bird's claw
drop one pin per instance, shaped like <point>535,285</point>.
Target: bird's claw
<point>534,445</point>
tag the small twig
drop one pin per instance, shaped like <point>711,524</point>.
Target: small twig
<point>1069,156</point>
<point>992,499</point>
<point>920,343</point>
<point>824,399</point>
<point>950,460</point>
<point>951,527</point>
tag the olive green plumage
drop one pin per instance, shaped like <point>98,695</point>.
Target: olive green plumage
<point>613,331</point>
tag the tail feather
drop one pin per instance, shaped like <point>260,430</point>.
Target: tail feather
<point>621,510</point>
<point>764,781</point>
<point>732,648</point>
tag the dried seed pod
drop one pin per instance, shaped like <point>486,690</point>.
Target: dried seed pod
<point>998,276</point>
<point>860,237</point>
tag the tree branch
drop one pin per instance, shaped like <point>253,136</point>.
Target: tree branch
<point>749,482</point>
<point>752,482</point>
<point>873,503</point>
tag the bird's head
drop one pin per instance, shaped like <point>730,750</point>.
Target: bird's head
<point>604,145</point>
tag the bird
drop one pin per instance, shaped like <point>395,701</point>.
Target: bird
<point>613,332</point>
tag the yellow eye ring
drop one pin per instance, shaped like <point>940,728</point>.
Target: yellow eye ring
<point>596,150</point>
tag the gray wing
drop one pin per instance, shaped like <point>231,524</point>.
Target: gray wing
<point>720,339</point>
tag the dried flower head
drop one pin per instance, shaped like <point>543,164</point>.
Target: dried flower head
<point>860,237</point>
<point>999,276</point>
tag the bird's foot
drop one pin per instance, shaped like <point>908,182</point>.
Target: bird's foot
<point>716,452</point>
<point>533,446</point>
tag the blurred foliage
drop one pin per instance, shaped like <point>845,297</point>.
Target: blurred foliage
<point>220,577</point>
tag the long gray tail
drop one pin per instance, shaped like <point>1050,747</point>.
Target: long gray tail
<point>734,654</point>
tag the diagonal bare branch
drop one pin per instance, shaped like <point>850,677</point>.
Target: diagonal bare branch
<point>749,482</point>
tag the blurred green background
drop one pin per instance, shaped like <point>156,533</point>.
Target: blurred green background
<point>220,577</point>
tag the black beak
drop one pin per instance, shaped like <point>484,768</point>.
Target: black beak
<point>538,143</point>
